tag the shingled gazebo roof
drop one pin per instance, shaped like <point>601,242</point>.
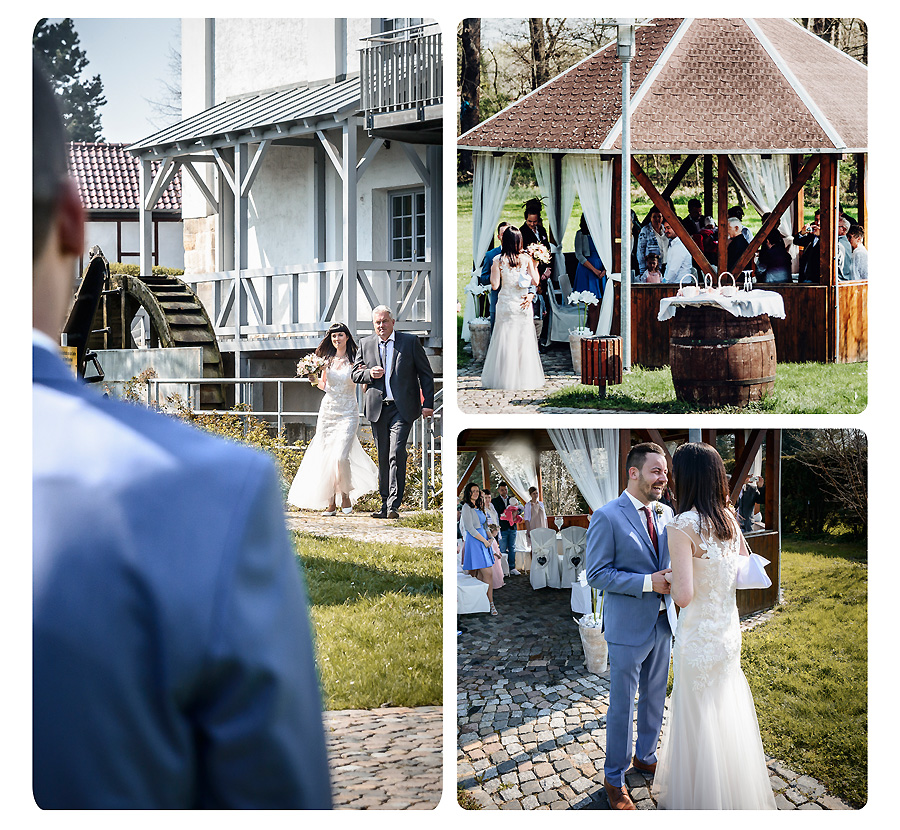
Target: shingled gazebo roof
<point>705,85</point>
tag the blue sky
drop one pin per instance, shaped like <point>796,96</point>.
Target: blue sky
<point>132,57</point>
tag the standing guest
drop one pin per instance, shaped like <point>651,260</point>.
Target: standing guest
<point>746,502</point>
<point>860,255</point>
<point>709,242</point>
<point>691,222</point>
<point>478,558</point>
<point>486,263</point>
<point>652,240</point>
<point>533,232</point>
<point>535,515</point>
<point>808,239</point>
<point>736,243</point>
<point>774,262</point>
<point>172,661</point>
<point>845,251</point>
<point>590,275</point>
<point>489,509</point>
<point>680,261</point>
<point>399,387</point>
<point>507,531</point>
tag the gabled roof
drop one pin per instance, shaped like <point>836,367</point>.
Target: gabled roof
<point>107,176</point>
<point>275,114</point>
<point>697,85</point>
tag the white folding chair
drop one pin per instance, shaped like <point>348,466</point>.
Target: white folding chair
<point>471,595</point>
<point>544,559</point>
<point>574,542</point>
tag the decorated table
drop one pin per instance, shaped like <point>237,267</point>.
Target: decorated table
<point>721,346</point>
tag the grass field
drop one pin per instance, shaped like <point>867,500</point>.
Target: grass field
<point>377,616</point>
<point>799,388</point>
<point>807,667</point>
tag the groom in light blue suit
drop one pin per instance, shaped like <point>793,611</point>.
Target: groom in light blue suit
<point>172,659</point>
<point>627,559</point>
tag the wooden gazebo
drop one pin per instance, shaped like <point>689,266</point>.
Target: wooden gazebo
<point>710,89</point>
<point>747,444</point>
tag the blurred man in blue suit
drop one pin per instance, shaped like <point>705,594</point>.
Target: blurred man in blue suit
<point>173,665</point>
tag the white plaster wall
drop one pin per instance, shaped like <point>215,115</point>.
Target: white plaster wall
<point>171,245</point>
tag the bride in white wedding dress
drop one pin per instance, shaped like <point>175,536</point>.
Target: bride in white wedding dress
<point>711,755</point>
<point>512,360</point>
<point>335,465</point>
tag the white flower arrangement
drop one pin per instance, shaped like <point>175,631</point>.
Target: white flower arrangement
<point>595,618</point>
<point>582,299</point>
<point>481,293</point>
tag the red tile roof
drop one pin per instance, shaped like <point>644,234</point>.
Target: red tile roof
<point>108,178</point>
<point>702,85</point>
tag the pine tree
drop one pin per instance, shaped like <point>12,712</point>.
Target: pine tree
<point>64,61</point>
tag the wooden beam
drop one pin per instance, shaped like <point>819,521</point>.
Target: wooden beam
<point>682,171</point>
<point>465,476</point>
<point>861,160</point>
<point>783,204</point>
<point>485,472</point>
<point>798,199</point>
<point>707,185</point>
<point>773,480</point>
<point>624,448</point>
<point>722,203</point>
<point>669,216</point>
<point>744,462</point>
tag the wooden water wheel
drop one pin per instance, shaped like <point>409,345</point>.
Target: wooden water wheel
<point>177,319</point>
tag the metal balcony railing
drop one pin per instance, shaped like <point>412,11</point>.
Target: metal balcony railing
<point>402,70</point>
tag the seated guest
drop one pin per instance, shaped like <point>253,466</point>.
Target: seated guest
<point>808,239</point>
<point>590,274</point>
<point>774,263</point>
<point>652,240</point>
<point>487,262</point>
<point>709,243</point>
<point>860,254</point>
<point>691,222</point>
<point>737,212</point>
<point>736,242</point>
<point>680,260</point>
<point>653,274</point>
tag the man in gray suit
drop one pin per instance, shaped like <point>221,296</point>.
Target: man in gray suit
<point>628,559</point>
<point>172,660</point>
<point>399,388</point>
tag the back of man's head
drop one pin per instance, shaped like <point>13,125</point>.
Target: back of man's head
<point>48,158</point>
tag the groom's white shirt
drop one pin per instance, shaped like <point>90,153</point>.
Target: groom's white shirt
<point>648,578</point>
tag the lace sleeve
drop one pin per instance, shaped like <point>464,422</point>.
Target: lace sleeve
<point>686,522</point>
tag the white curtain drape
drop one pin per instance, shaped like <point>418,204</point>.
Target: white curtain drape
<point>592,458</point>
<point>593,176</point>
<point>543,171</point>
<point>490,185</point>
<point>765,181</point>
<point>516,462</point>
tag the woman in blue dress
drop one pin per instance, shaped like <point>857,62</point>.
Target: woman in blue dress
<point>478,558</point>
<point>590,274</point>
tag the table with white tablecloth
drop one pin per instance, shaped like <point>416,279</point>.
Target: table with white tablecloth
<point>742,304</point>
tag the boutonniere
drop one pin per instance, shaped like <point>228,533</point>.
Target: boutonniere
<point>657,508</point>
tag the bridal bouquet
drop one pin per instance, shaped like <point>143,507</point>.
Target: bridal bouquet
<point>482,296</point>
<point>582,299</point>
<point>311,364</point>
<point>538,253</point>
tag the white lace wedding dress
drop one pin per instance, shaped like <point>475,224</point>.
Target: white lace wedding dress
<point>513,360</point>
<point>711,755</point>
<point>334,461</point>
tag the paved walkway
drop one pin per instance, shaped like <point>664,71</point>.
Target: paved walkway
<point>385,759</point>
<point>362,527</point>
<point>531,720</point>
<point>558,373</point>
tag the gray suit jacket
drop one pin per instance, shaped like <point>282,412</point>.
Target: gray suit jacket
<point>172,659</point>
<point>619,554</point>
<point>412,380</point>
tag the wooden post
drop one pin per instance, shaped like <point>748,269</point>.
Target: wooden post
<point>861,193</point>
<point>828,204</point>
<point>707,185</point>
<point>485,472</point>
<point>617,216</point>
<point>722,193</point>
<point>624,448</point>
<point>798,199</point>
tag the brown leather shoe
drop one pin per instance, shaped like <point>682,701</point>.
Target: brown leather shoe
<point>618,797</point>
<point>651,768</point>
<point>393,514</point>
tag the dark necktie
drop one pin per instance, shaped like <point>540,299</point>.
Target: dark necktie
<point>651,529</point>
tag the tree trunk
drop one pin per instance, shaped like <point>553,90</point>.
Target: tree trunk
<point>540,65</point>
<point>469,86</point>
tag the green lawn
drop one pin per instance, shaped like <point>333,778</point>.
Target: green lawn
<point>377,615</point>
<point>807,667</point>
<point>799,388</point>
<point>432,520</point>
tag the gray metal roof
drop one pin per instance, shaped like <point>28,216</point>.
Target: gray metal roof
<point>282,112</point>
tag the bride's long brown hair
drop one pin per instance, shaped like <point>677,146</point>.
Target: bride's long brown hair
<point>511,245</point>
<point>702,484</point>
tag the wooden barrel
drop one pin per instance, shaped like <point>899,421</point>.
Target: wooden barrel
<point>718,359</point>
